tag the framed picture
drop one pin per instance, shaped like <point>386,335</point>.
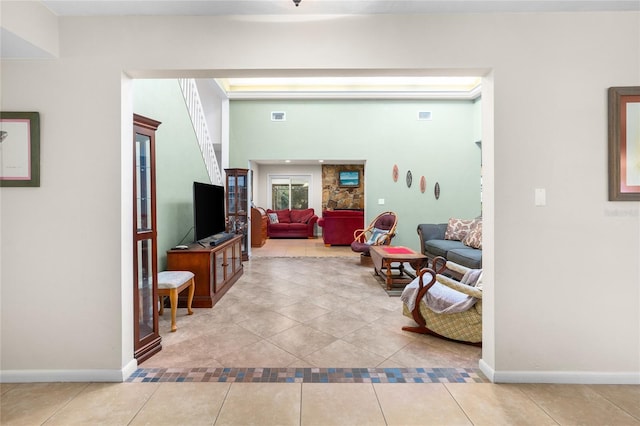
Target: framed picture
<point>624,144</point>
<point>19,149</point>
<point>349,178</point>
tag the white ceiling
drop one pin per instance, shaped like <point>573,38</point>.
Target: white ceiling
<point>325,7</point>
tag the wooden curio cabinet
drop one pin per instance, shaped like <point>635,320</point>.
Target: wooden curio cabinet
<point>238,205</point>
<point>258,226</point>
<point>145,260</point>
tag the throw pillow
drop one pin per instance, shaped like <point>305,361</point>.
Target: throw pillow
<point>457,229</point>
<point>474,237</point>
<point>307,215</point>
<point>377,236</point>
<point>273,217</point>
<point>301,216</point>
<point>284,216</point>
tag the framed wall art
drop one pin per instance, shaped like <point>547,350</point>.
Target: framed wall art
<point>19,149</point>
<point>349,178</point>
<point>624,144</point>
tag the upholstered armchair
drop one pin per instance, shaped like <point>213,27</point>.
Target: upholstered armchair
<point>338,226</point>
<point>380,232</point>
<point>444,307</point>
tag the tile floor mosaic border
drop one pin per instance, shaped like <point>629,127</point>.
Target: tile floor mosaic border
<point>310,375</point>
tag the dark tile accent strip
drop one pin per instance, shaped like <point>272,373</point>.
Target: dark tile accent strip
<point>310,375</point>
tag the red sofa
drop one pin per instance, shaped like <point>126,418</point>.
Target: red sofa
<point>338,226</point>
<point>291,223</point>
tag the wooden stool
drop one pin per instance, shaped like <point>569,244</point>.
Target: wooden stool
<point>170,283</point>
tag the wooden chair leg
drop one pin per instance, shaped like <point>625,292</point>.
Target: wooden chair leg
<point>161,311</point>
<point>173,297</point>
<point>192,289</point>
<point>425,330</point>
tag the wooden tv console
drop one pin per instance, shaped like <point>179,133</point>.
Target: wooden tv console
<point>216,269</point>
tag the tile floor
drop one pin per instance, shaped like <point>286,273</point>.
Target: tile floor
<point>310,342</point>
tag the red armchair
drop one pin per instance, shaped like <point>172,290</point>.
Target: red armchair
<point>338,226</point>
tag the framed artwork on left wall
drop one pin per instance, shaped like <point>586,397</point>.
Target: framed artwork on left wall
<point>19,149</point>
<point>624,144</point>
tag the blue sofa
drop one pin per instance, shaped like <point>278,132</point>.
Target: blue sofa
<point>432,244</point>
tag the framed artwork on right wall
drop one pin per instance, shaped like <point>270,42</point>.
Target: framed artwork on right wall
<point>624,144</point>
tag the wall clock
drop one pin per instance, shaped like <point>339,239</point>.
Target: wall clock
<point>409,179</point>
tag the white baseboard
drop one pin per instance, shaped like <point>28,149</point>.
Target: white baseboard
<point>50,376</point>
<point>487,370</point>
<point>561,377</point>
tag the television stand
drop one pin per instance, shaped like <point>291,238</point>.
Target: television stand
<point>216,269</point>
<point>220,238</point>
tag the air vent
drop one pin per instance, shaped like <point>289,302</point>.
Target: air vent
<point>424,115</point>
<point>278,116</point>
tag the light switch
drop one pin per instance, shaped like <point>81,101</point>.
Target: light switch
<point>380,201</point>
<point>540,197</point>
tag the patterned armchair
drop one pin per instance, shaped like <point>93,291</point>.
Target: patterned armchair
<point>445,307</point>
<point>380,232</point>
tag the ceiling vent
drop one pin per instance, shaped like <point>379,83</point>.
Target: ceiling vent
<point>424,115</point>
<point>278,116</point>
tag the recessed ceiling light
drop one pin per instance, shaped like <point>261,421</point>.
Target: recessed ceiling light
<point>287,161</point>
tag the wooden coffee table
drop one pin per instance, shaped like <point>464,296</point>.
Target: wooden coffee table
<point>384,256</point>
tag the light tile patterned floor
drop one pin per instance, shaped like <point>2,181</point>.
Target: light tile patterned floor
<point>321,309</point>
<point>322,316</point>
<point>310,375</point>
<point>242,403</point>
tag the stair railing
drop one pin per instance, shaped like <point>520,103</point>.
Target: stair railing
<point>196,112</point>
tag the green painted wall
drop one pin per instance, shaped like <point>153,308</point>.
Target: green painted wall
<point>383,133</point>
<point>178,160</point>
<point>477,120</point>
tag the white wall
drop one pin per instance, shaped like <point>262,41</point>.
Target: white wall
<point>262,188</point>
<point>563,300</point>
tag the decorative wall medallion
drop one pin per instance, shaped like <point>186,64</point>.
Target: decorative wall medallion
<point>436,190</point>
<point>395,173</point>
<point>409,178</point>
<point>423,184</point>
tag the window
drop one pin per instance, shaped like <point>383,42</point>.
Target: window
<point>289,192</point>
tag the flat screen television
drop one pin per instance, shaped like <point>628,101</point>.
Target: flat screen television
<point>208,210</point>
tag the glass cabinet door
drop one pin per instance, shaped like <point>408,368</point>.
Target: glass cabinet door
<point>237,256</point>
<point>146,284</point>
<point>231,194</point>
<point>145,264</point>
<point>142,178</point>
<point>237,205</point>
